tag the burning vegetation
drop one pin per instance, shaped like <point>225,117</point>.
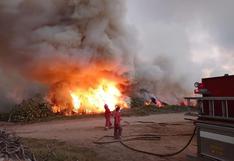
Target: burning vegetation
<point>86,90</point>
<point>80,54</point>
<point>86,99</point>
<point>75,51</point>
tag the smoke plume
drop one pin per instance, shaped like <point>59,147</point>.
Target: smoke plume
<point>58,44</point>
<point>45,43</point>
<point>181,42</point>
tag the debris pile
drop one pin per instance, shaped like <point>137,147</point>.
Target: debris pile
<point>137,102</point>
<point>11,148</point>
<point>34,109</point>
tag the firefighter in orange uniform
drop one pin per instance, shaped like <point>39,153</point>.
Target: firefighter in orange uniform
<point>107,117</point>
<point>117,126</point>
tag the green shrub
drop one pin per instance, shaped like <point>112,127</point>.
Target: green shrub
<point>33,109</point>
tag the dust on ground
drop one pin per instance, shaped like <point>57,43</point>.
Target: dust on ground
<point>84,132</point>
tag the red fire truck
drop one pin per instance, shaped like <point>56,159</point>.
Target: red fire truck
<point>215,123</point>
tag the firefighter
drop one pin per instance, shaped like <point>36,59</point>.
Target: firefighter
<point>107,117</point>
<point>117,126</point>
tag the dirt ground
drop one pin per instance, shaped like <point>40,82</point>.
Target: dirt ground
<point>84,132</point>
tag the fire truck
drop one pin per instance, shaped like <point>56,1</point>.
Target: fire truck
<point>215,122</point>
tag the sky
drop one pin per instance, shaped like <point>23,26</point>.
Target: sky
<point>196,36</point>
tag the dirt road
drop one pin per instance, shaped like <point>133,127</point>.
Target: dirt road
<point>83,132</point>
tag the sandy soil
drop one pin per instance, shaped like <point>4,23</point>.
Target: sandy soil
<point>84,132</point>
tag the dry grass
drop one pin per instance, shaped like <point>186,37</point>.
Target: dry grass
<point>53,150</point>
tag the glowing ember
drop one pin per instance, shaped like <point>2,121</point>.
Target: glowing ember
<point>156,102</point>
<point>159,104</point>
<point>147,103</point>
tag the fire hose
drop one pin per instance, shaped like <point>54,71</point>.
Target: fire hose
<point>145,137</point>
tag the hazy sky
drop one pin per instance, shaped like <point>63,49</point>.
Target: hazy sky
<point>197,35</point>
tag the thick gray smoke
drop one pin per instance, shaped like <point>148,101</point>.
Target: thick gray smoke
<point>163,79</point>
<point>45,42</point>
<point>181,42</point>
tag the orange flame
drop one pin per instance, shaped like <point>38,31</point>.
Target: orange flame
<point>75,102</point>
<point>159,104</point>
<point>92,100</point>
<point>82,90</point>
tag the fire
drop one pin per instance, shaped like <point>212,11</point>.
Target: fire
<point>75,102</point>
<point>92,99</point>
<point>156,102</point>
<point>78,89</point>
<point>147,103</point>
